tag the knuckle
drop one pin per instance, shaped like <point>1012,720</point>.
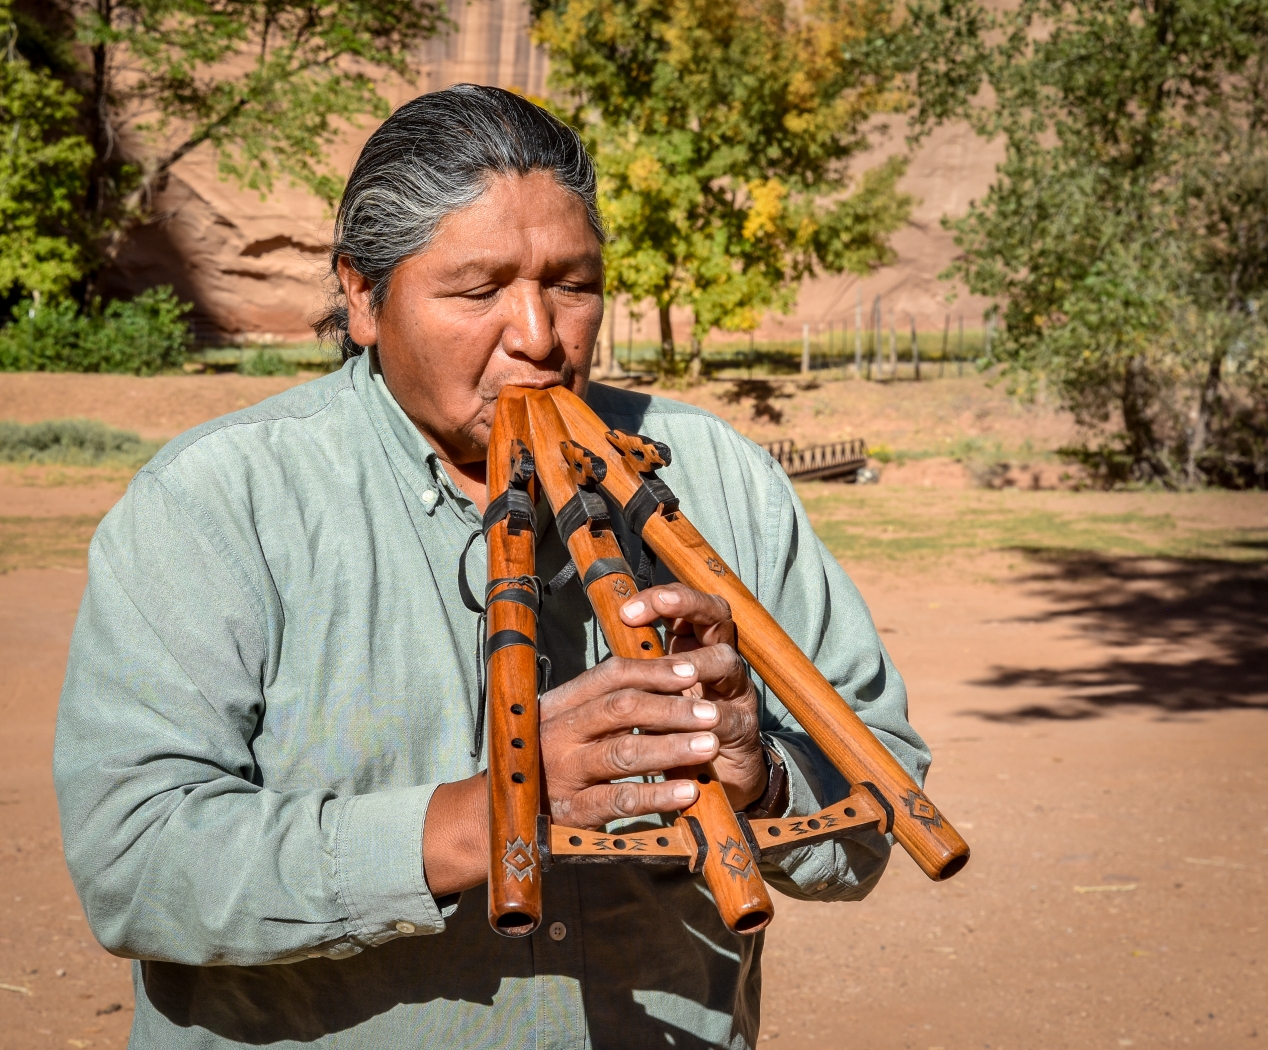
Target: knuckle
<point>623,753</point>
<point>621,704</point>
<point>625,799</point>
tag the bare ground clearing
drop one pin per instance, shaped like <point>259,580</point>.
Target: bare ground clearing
<point>1088,667</point>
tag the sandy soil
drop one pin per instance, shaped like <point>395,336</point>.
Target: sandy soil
<point>1098,728</point>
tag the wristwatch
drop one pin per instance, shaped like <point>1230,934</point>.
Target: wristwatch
<point>774,799</point>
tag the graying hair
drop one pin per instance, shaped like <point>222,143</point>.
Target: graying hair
<point>435,156</point>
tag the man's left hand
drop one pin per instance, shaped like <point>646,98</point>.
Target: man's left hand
<point>700,625</point>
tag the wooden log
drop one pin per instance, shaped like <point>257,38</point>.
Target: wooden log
<point>923,831</point>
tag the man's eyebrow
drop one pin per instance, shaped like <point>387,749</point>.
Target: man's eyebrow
<point>488,266</point>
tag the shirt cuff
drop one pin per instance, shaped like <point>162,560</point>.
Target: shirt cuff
<point>379,865</point>
<point>833,870</point>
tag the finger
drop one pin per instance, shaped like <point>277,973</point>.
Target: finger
<point>617,713</point>
<point>634,755</point>
<point>666,674</point>
<point>596,806</point>
<point>719,669</point>
<point>709,614</point>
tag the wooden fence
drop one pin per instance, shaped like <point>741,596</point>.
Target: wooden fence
<point>840,459</point>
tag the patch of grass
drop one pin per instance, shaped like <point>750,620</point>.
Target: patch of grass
<point>46,543</point>
<point>267,363</point>
<point>920,528</point>
<point>74,443</point>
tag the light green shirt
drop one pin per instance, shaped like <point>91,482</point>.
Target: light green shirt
<point>272,670</point>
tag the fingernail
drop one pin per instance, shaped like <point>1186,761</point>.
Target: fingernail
<point>684,670</point>
<point>669,597</point>
<point>685,791</point>
<point>634,609</point>
<point>704,712</point>
<point>702,743</point>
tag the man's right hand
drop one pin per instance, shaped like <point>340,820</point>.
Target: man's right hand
<point>587,742</point>
<point>587,739</point>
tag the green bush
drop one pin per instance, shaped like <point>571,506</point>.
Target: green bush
<point>267,363</point>
<point>72,442</point>
<point>141,337</point>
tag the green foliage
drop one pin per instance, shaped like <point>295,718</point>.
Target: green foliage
<point>1127,231</point>
<point>142,337</point>
<point>72,442</point>
<point>43,174</point>
<point>266,363</point>
<point>722,129</point>
<point>268,84</point>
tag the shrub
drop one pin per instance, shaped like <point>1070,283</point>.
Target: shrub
<point>72,442</point>
<point>267,363</point>
<point>142,337</point>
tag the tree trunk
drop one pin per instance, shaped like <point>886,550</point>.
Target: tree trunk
<point>1206,410</point>
<point>696,366</point>
<point>666,338</point>
<point>1141,442</point>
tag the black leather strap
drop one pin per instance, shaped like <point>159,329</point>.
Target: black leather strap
<point>520,584</point>
<point>601,567</point>
<point>503,639</point>
<point>585,508</point>
<point>642,505</point>
<point>528,599</point>
<point>560,580</point>
<point>514,505</point>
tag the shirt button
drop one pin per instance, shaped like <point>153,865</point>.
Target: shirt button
<point>429,497</point>
<point>405,927</point>
<point>558,931</point>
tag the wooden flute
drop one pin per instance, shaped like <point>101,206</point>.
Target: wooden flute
<point>552,439</point>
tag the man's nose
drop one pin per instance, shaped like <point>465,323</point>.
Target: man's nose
<point>530,327</point>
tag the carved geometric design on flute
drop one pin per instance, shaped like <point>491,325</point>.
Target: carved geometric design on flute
<point>735,858</point>
<point>922,809</point>
<point>621,587</point>
<point>806,827</point>
<point>631,844</point>
<point>715,566</point>
<point>519,859</point>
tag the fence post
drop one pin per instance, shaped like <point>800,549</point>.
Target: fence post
<point>858,335</point>
<point>915,349</point>
<point>946,338</point>
<point>876,339</point>
<point>893,346</point>
<point>805,348</point>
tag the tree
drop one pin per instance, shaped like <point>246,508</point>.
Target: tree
<point>722,130</point>
<point>266,84</point>
<point>43,174</point>
<point>1127,231</point>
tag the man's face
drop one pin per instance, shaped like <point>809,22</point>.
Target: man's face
<point>510,292</point>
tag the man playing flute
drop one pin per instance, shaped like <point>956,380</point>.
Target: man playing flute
<point>267,766</point>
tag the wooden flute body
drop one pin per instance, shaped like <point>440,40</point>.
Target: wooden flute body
<point>512,603</point>
<point>554,439</point>
<point>569,474</point>
<point>863,760</point>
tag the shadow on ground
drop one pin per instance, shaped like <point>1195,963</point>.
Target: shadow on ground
<point>762,393</point>
<point>1205,620</point>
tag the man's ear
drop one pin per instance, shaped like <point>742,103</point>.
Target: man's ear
<point>356,289</point>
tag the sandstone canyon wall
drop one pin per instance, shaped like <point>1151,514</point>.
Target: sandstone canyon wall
<point>255,268</point>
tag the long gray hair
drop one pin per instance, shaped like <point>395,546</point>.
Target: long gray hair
<point>435,156</point>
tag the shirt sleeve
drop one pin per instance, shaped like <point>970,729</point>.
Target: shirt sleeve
<point>809,594</point>
<point>177,850</point>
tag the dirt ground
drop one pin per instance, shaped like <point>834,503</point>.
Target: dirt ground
<point>1089,669</point>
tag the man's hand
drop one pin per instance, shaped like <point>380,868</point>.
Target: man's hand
<point>700,627</point>
<point>693,706</point>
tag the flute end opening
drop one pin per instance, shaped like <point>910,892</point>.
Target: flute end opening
<point>953,867</point>
<point>515,924</point>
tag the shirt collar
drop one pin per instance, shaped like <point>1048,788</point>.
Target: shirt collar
<point>405,443</point>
